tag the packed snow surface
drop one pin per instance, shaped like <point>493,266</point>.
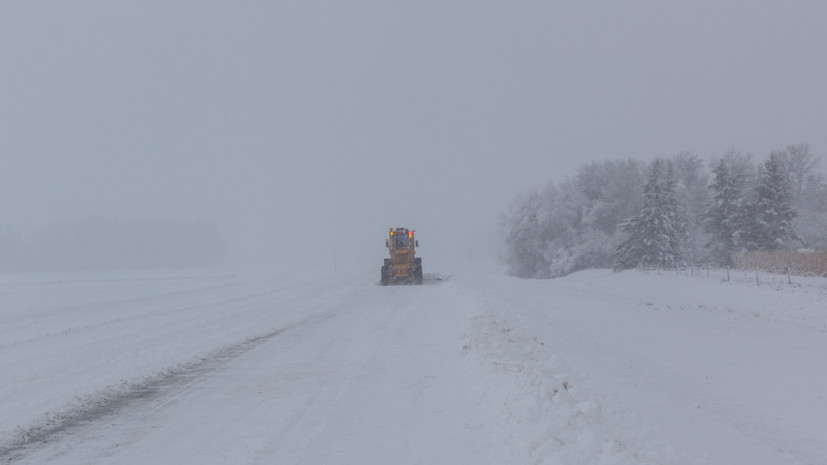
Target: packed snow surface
<point>595,368</point>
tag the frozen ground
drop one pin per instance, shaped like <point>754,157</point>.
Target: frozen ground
<point>595,368</point>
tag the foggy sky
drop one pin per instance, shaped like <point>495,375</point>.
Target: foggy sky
<point>305,129</point>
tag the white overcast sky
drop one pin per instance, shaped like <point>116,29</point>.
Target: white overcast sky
<point>306,128</point>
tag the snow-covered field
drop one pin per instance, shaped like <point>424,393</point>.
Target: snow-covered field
<point>595,368</point>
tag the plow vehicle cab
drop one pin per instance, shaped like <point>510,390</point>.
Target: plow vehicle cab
<point>403,267</point>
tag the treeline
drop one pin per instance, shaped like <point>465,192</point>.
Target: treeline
<point>101,243</point>
<point>669,212</point>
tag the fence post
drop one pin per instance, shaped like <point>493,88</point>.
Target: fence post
<point>789,279</point>
<point>727,274</point>
<point>757,283</point>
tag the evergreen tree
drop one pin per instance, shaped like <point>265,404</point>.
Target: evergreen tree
<point>692,194</point>
<point>656,233</point>
<point>773,208</point>
<point>745,223</point>
<point>676,215</point>
<point>720,214</point>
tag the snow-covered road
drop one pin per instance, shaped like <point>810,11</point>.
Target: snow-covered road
<point>598,367</point>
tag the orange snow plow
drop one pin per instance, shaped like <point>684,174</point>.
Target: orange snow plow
<point>403,267</point>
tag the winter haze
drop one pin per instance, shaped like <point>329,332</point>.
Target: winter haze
<point>306,129</point>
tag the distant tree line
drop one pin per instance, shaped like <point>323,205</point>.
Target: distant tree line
<point>102,243</point>
<point>672,211</point>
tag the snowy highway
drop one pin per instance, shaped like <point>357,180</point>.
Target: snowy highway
<point>597,367</point>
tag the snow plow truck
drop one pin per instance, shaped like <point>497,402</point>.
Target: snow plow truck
<point>403,267</point>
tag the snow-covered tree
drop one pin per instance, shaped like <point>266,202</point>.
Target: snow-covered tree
<point>765,220</point>
<point>808,190</point>
<point>610,192</point>
<point>655,234</point>
<point>524,236</point>
<point>814,194</point>
<point>798,163</point>
<point>599,218</point>
<point>676,214</point>
<point>720,215</point>
<point>810,227</point>
<point>742,168</point>
<point>691,192</point>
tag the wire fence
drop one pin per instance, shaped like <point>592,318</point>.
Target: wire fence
<point>724,274</point>
<point>774,266</point>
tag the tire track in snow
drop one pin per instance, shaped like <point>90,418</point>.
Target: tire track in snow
<point>128,396</point>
